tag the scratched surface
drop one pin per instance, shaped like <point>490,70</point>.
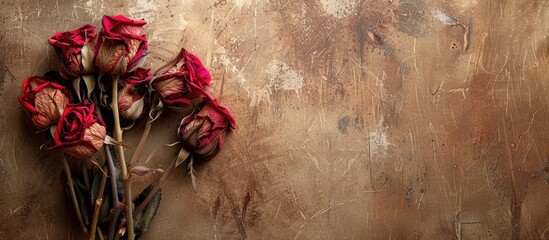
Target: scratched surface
<point>356,119</point>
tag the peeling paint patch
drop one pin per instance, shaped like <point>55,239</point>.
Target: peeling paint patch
<point>256,94</point>
<point>338,8</point>
<point>180,24</point>
<point>243,3</point>
<point>378,142</point>
<point>446,18</point>
<point>281,75</point>
<point>95,8</point>
<point>226,61</point>
<point>144,9</point>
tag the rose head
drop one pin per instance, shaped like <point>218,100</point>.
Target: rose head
<point>181,79</point>
<point>44,100</point>
<point>132,93</point>
<point>203,133</point>
<point>80,132</point>
<point>188,65</point>
<point>120,46</point>
<point>74,50</point>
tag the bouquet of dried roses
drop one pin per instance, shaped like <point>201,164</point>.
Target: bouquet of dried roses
<point>100,91</point>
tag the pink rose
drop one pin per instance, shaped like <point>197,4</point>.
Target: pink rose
<point>44,100</point>
<point>120,47</point>
<point>74,50</point>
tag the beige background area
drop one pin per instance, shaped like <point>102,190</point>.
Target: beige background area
<point>410,119</point>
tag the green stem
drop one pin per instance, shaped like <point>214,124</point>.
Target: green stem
<point>120,150</point>
<point>73,194</point>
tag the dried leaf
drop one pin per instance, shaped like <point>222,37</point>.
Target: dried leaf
<point>117,173</point>
<point>192,172</point>
<point>135,110</point>
<point>182,156</point>
<point>53,128</point>
<point>94,162</point>
<point>103,96</point>
<point>89,85</point>
<point>143,220</point>
<point>87,58</point>
<point>142,171</point>
<point>157,111</point>
<point>105,210</point>
<point>127,124</point>
<point>95,188</point>
<point>139,170</point>
<point>172,144</point>
<point>111,141</point>
<point>78,88</point>
<point>82,198</point>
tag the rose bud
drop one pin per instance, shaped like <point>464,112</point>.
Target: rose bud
<point>44,100</point>
<point>203,133</point>
<point>75,51</point>
<point>132,93</point>
<point>181,79</point>
<point>120,46</point>
<point>80,132</point>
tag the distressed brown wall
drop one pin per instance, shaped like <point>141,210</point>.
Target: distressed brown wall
<point>356,119</point>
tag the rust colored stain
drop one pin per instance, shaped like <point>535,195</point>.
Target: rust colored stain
<point>217,204</point>
<point>245,203</point>
<point>241,218</point>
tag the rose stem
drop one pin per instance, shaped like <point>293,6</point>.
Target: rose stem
<point>121,158</point>
<point>99,233</point>
<point>121,231</point>
<point>146,131</point>
<point>85,176</point>
<point>98,203</point>
<point>114,189</point>
<point>106,154</point>
<point>73,194</point>
<point>160,182</point>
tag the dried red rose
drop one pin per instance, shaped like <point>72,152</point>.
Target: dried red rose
<point>120,46</point>
<point>132,93</point>
<point>181,79</point>
<point>75,51</point>
<point>44,100</point>
<point>80,132</point>
<point>203,133</point>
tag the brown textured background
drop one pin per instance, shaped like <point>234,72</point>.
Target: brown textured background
<point>356,119</point>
